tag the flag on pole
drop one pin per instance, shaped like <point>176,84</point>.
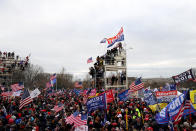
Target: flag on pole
<point>124,95</point>
<point>16,87</point>
<point>185,105</point>
<point>90,60</point>
<point>48,85</point>
<point>104,40</point>
<point>109,96</point>
<point>25,99</point>
<point>78,84</point>
<point>119,37</point>
<point>136,85</point>
<point>58,107</point>
<point>77,119</point>
<point>53,79</point>
<point>35,93</point>
<point>17,93</point>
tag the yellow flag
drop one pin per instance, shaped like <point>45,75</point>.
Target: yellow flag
<point>193,98</point>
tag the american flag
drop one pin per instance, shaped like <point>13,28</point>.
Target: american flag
<point>53,79</point>
<point>58,107</point>
<point>16,87</point>
<point>185,105</point>
<point>2,88</point>
<point>90,60</point>
<point>25,99</point>
<point>6,94</point>
<point>77,119</point>
<point>93,92</point>
<point>78,84</point>
<point>136,85</point>
<point>48,85</point>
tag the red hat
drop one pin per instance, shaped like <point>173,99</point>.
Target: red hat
<point>14,103</point>
<point>11,121</point>
<point>114,124</point>
<point>8,116</point>
<point>43,110</point>
<point>150,129</point>
<point>146,119</point>
<point>120,102</point>
<point>91,123</point>
<point>19,115</point>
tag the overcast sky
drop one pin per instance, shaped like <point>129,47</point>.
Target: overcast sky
<point>65,33</point>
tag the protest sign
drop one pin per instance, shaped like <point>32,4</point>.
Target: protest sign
<point>166,96</point>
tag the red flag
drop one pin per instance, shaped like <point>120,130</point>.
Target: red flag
<point>109,96</point>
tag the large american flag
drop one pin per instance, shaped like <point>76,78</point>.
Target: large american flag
<point>136,85</point>
<point>25,99</point>
<point>16,87</point>
<point>185,105</point>
<point>77,119</point>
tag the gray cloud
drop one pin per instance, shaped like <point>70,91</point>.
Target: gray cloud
<point>65,33</point>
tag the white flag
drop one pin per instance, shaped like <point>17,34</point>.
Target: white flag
<point>35,93</point>
<point>17,93</point>
<point>81,128</point>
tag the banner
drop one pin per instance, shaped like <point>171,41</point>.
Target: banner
<point>109,96</point>
<point>187,75</point>
<point>166,96</point>
<point>96,103</point>
<point>172,109</point>
<point>149,98</point>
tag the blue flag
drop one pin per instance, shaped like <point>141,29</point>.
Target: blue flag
<point>172,109</point>
<point>95,103</point>
<point>77,91</point>
<point>123,96</point>
<point>149,98</point>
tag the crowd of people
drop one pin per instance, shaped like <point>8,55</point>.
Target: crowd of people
<point>8,62</point>
<point>97,72</point>
<point>132,115</point>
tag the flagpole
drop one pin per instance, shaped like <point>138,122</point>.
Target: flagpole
<point>95,78</point>
<point>56,82</point>
<point>156,101</point>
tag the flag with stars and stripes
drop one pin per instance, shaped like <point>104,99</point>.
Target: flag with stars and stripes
<point>136,85</point>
